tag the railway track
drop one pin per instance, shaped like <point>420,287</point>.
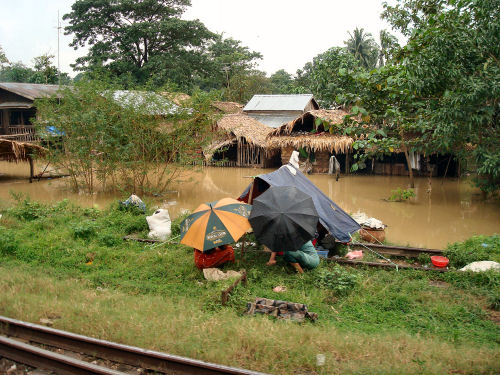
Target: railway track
<point>21,341</point>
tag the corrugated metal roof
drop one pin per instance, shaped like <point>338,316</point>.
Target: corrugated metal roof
<point>30,91</point>
<point>149,102</point>
<point>278,102</point>
<point>16,105</point>
<point>274,121</point>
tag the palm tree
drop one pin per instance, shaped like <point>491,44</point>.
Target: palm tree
<point>388,44</point>
<point>363,47</point>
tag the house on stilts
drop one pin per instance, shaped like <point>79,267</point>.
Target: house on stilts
<point>17,108</point>
<point>241,142</point>
<point>314,144</point>
<point>276,110</point>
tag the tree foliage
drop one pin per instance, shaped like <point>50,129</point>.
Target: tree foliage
<point>3,58</point>
<point>442,94</point>
<point>126,142</point>
<point>329,75</point>
<point>453,64</point>
<point>139,40</point>
<point>43,71</point>
<point>363,47</point>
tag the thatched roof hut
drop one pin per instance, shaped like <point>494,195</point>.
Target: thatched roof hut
<point>228,107</point>
<point>14,151</point>
<point>297,133</point>
<point>246,135</point>
<point>243,126</point>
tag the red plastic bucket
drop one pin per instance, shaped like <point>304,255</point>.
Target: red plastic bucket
<point>439,261</point>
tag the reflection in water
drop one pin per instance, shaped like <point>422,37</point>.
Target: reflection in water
<point>452,212</point>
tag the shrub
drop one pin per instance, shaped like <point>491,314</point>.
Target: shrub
<point>176,224</point>
<point>84,230</point>
<point>29,210</point>
<point>8,242</point>
<point>338,279</point>
<point>399,195</point>
<point>494,300</point>
<point>474,249</point>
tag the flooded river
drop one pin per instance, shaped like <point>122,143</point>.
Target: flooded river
<point>452,212</point>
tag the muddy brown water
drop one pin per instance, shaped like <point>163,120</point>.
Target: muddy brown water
<point>453,211</point>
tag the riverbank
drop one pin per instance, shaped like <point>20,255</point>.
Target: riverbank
<point>70,264</point>
<point>453,211</point>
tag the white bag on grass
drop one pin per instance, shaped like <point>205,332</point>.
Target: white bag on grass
<point>160,225</point>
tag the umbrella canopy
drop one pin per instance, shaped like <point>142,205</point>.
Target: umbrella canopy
<point>335,220</point>
<point>216,223</point>
<point>284,218</point>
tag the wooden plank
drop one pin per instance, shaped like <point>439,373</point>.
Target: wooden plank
<point>383,265</point>
<point>225,292</point>
<point>148,240</point>
<point>412,252</point>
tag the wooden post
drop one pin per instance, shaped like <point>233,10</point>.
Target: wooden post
<point>32,169</point>
<point>225,293</point>
<point>242,252</point>
<point>446,170</point>
<point>347,166</point>
<point>238,154</point>
<point>412,181</point>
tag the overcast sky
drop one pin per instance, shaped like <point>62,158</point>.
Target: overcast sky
<point>288,33</point>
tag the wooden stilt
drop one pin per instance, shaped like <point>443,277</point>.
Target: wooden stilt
<point>32,169</point>
<point>446,170</point>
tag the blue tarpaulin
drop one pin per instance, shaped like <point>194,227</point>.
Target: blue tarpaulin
<point>331,217</point>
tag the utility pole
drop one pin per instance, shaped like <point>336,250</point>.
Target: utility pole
<point>58,37</point>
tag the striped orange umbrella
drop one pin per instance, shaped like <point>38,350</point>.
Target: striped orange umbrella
<point>216,223</point>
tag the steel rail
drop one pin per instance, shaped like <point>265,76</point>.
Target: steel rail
<point>45,359</point>
<point>163,362</point>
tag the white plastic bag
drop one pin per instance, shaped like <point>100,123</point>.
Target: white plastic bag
<point>160,225</point>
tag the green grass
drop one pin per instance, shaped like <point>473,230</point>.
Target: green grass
<point>77,261</point>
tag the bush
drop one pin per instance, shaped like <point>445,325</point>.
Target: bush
<point>399,195</point>
<point>474,249</point>
<point>84,230</point>
<point>338,279</point>
<point>8,242</point>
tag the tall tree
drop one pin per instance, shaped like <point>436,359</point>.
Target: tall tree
<point>45,71</point>
<point>226,58</point>
<point>16,72</point>
<point>282,82</point>
<point>243,87</point>
<point>388,46</point>
<point>363,47</point>
<point>329,76</point>
<point>145,39</point>
<point>3,58</point>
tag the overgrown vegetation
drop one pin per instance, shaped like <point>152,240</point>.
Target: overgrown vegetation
<point>137,288</point>
<point>400,195</point>
<point>124,140</point>
<point>474,249</point>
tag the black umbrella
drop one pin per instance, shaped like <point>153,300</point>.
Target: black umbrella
<point>283,218</point>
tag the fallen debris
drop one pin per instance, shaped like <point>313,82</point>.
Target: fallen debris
<point>134,201</point>
<point>279,289</point>
<point>355,254</point>
<point>280,309</point>
<point>215,274</point>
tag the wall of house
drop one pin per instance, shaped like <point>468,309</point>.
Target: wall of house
<point>10,117</point>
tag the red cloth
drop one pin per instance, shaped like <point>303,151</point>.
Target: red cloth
<point>213,259</point>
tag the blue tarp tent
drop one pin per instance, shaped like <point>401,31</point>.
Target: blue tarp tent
<point>331,217</point>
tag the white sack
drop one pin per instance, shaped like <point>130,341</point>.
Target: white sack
<point>481,266</point>
<point>160,225</point>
